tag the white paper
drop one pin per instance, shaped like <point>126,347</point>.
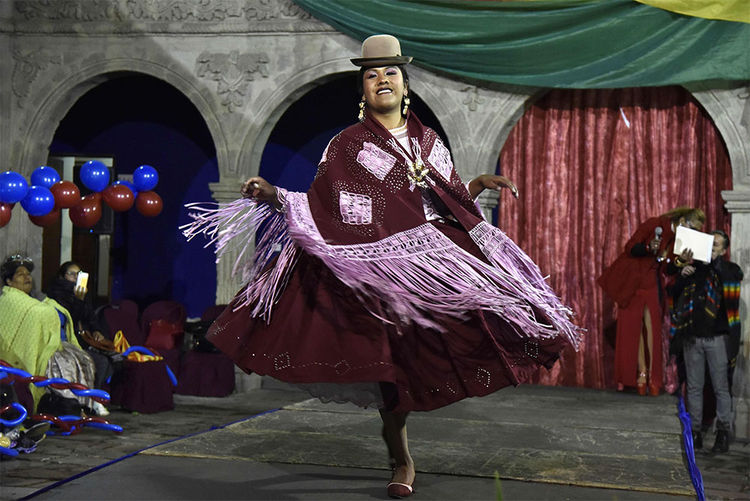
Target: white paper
<point>697,241</point>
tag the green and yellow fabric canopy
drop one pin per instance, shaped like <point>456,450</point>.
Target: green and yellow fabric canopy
<point>560,44</point>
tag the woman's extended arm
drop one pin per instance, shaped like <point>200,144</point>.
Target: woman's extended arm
<point>491,182</point>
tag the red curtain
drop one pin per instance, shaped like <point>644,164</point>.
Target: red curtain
<point>590,165</point>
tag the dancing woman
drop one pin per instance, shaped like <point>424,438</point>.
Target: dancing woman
<point>383,285</point>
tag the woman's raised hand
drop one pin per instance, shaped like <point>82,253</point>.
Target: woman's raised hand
<point>491,182</point>
<point>260,189</point>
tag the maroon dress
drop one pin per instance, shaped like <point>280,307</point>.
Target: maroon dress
<point>356,297</point>
<point>636,283</point>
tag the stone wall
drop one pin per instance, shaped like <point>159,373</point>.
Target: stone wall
<point>242,63</point>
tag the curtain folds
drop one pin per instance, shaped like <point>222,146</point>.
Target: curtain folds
<point>555,44</point>
<point>590,165</point>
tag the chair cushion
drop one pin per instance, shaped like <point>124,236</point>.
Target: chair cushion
<point>163,335</point>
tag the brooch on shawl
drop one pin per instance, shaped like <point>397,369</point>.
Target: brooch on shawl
<point>417,172</point>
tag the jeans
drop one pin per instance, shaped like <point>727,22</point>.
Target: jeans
<point>711,350</point>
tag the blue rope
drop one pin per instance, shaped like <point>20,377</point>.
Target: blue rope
<point>93,424</point>
<point>100,394</point>
<point>687,437</point>
<point>146,351</point>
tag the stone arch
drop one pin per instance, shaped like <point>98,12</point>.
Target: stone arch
<point>506,117</point>
<point>719,109</point>
<point>717,106</point>
<point>284,95</point>
<point>56,103</point>
<point>292,89</point>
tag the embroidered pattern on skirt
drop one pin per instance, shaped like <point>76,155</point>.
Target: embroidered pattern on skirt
<point>355,208</point>
<point>375,160</point>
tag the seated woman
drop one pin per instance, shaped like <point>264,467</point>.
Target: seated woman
<point>37,336</point>
<point>88,330</point>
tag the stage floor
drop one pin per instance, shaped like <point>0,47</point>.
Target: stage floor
<point>543,442</point>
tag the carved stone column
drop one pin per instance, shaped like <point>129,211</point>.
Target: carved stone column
<point>487,202</point>
<point>227,284</point>
<point>738,205</point>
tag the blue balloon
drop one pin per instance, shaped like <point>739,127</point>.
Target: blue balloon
<point>8,452</point>
<point>22,415</point>
<point>145,178</point>
<point>39,201</point>
<point>128,184</point>
<point>13,187</point>
<point>92,393</point>
<point>94,175</point>
<point>44,176</point>
<point>105,426</point>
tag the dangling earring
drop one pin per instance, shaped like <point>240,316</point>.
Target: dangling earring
<point>406,105</point>
<point>361,115</point>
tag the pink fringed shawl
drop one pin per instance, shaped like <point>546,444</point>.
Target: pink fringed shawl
<point>363,218</point>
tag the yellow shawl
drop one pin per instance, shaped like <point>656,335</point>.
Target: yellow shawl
<point>30,333</point>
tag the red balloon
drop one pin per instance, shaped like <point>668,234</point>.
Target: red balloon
<point>87,213</point>
<point>148,203</point>
<point>119,197</point>
<point>5,211</point>
<point>66,194</point>
<point>48,219</point>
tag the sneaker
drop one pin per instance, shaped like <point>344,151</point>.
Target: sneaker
<point>100,410</point>
<point>25,445</point>
<point>30,438</point>
<point>38,431</point>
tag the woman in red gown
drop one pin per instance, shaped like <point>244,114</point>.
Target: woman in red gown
<point>635,282</point>
<point>383,285</point>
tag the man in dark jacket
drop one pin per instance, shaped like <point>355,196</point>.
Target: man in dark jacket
<point>701,317</point>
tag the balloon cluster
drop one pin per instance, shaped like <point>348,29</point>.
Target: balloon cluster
<point>47,194</point>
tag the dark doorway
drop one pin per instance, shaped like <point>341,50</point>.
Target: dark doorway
<point>136,120</point>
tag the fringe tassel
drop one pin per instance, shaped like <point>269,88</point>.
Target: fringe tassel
<point>417,274</point>
<point>421,273</point>
<point>233,227</point>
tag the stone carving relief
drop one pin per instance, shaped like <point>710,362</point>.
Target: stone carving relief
<point>183,10</point>
<point>232,73</point>
<point>27,66</point>
<point>473,99</point>
<point>275,9</point>
<point>78,10</point>
<point>160,10</point>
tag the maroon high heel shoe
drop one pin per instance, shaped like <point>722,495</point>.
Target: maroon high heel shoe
<point>398,490</point>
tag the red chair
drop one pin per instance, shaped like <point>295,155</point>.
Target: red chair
<point>163,324</point>
<point>206,374</point>
<point>137,386</point>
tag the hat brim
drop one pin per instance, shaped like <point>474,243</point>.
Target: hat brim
<point>370,62</point>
